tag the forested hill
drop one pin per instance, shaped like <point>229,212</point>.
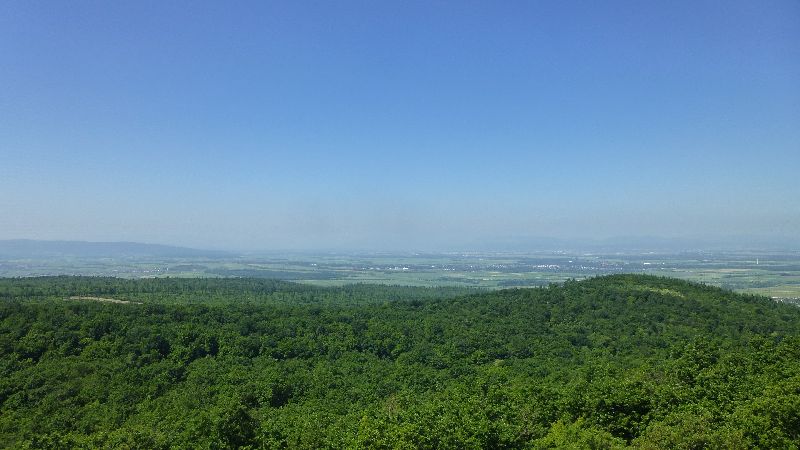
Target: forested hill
<point>609,362</point>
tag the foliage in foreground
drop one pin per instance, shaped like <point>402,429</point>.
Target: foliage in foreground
<point>604,363</point>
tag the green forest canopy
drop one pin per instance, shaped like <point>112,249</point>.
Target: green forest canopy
<point>623,360</point>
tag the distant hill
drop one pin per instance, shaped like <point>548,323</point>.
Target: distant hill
<point>636,244</point>
<point>27,248</point>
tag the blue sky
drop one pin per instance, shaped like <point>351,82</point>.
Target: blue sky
<point>397,125</point>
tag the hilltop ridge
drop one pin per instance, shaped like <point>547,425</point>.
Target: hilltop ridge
<point>30,248</point>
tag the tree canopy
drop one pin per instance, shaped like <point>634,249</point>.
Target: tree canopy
<point>609,362</point>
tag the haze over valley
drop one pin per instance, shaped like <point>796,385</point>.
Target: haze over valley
<point>400,224</point>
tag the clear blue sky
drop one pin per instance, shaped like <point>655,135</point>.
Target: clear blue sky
<point>402,125</point>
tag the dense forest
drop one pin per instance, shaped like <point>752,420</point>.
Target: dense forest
<point>608,362</point>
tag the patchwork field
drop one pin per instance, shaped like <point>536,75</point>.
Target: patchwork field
<point>773,274</point>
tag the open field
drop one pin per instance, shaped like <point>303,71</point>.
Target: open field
<point>772,274</point>
<point>103,300</point>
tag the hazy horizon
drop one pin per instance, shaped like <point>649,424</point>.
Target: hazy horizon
<point>398,126</point>
<point>519,245</point>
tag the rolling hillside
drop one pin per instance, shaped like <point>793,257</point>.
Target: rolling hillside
<point>609,362</point>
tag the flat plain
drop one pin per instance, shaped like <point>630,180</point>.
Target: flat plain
<point>770,273</point>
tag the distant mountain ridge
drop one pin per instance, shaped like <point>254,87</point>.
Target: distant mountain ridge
<point>29,248</point>
<point>639,244</point>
